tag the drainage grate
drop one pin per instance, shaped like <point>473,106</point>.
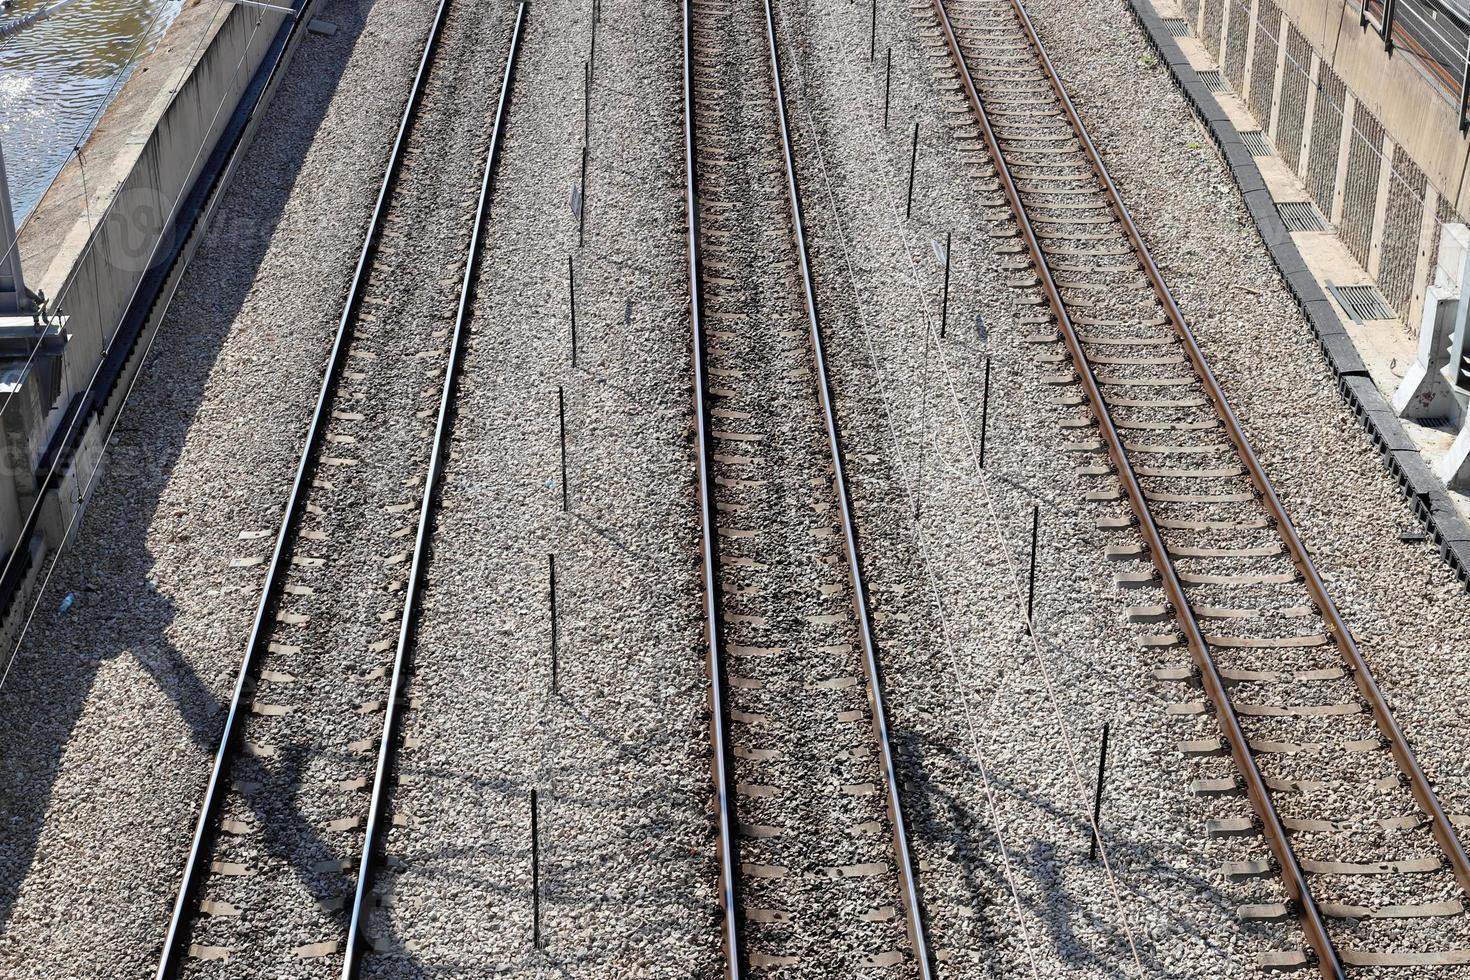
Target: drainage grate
<point>1301,216</point>
<point>1255,141</point>
<point>1176,26</point>
<point>1213,81</point>
<point>1362,303</point>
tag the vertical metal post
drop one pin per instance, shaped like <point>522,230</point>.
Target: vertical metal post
<point>582,211</point>
<point>586,105</point>
<point>12,284</point>
<point>1031,584</point>
<point>944,303</point>
<point>873,32</point>
<point>555,634</point>
<point>535,876</point>
<point>1102,766</point>
<point>984,412</point>
<point>913,160</point>
<point>561,414</point>
<point>572,307</point>
<point>592,47</point>
<point>887,85</point>
<point>1388,12</point>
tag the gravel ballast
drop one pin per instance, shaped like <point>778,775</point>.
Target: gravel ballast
<point>110,714</point>
<point>618,754</point>
<point>1208,931</point>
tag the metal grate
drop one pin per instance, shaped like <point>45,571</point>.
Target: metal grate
<point>1255,141</point>
<point>1301,216</point>
<point>1176,26</point>
<point>1213,81</point>
<point>1362,303</point>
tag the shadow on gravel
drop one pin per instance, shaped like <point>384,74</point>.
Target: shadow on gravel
<point>115,611</point>
<point>1067,918</point>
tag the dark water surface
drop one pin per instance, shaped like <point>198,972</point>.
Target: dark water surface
<point>56,76</point>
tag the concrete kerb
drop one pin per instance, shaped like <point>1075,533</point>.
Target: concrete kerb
<point>1424,492</point>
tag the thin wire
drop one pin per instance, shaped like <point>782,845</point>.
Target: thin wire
<point>1014,574</point>
<point>84,497</point>
<point>979,746</point>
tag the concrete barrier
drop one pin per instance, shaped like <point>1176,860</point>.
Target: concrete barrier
<point>107,250</point>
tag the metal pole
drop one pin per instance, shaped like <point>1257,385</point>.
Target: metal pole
<point>555,635</point>
<point>984,412</point>
<point>12,284</point>
<point>582,211</point>
<point>572,307</point>
<point>586,104</point>
<point>535,877</point>
<point>913,159</point>
<point>1465,91</point>
<point>561,414</point>
<point>873,31</point>
<point>592,48</point>
<point>1031,586</point>
<point>944,304</point>
<point>1102,766</point>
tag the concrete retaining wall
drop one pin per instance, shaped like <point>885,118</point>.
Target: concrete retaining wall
<point>113,291</point>
<point>1424,492</point>
<point>1373,139</point>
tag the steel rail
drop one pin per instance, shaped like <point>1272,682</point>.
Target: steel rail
<point>373,829</point>
<point>1441,825</point>
<point>1310,916</point>
<point>173,945</point>
<point>731,935</point>
<point>908,881</point>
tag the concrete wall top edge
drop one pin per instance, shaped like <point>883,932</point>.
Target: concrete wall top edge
<point>57,232</point>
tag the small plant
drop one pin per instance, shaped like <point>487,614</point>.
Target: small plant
<point>1195,145</point>
<point>1148,60</point>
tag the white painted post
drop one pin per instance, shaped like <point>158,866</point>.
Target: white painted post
<point>1457,345</point>
<point>1427,392</point>
<point>1454,469</point>
<point>12,285</point>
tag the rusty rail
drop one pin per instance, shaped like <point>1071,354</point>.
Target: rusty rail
<point>1294,879</point>
<point>1418,782</point>
<point>1443,828</point>
<point>903,857</point>
<point>732,935</point>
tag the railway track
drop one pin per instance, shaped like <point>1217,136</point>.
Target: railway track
<point>299,795</point>
<point>817,878</point>
<point>1369,864</point>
